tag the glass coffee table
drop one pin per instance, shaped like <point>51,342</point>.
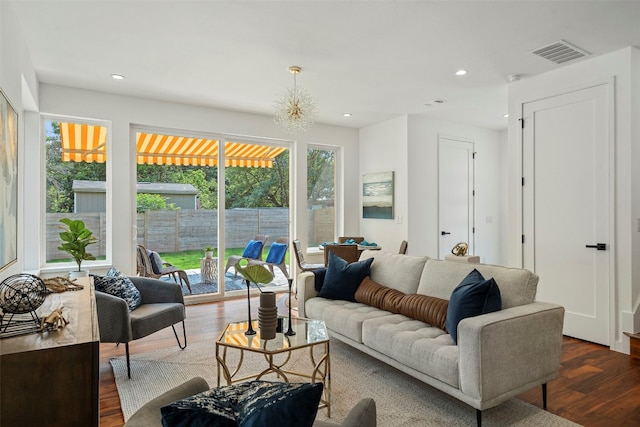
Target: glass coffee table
<point>310,334</point>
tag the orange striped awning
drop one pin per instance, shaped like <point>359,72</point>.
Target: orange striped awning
<point>178,150</point>
<point>83,143</point>
<point>87,143</point>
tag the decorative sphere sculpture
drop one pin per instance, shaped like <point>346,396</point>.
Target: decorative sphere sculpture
<point>22,293</point>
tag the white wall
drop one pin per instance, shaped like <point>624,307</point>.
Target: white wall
<point>383,148</point>
<point>422,165</point>
<point>623,67</point>
<point>17,78</point>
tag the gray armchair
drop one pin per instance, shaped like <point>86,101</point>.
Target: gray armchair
<point>162,306</point>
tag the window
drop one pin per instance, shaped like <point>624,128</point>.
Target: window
<point>179,185</point>
<point>76,155</point>
<point>321,195</point>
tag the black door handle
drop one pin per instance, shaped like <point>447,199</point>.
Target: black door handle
<point>443,233</point>
<point>598,246</point>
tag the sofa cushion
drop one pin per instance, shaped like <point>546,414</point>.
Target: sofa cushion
<point>249,404</point>
<point>415,344</point>
<point>428,309</point>
<point>517,285</point>
<point>472,297</point>
<point>372,293</point>
<point>343,317</point>
<point>401,272</point>
<point>342,279</point>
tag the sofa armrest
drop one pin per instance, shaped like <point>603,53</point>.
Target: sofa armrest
<point>305,289</point>
<point>157,291</point>
<point>509,351</point>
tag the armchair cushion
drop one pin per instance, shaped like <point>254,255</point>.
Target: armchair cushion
<point>120,286</point>
<point>276,253</point>
<point>249,404</point>
<point>252,250</point>
<point>156,261</point>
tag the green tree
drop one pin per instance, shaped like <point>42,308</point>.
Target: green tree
<point>60,175</point>
<point>152,202</point>
<point>259,187</point>
<point>321,176</point>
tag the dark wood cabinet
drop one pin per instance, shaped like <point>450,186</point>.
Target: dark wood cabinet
<point>52,379</point>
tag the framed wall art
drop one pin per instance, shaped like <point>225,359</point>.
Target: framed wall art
<point>8,182</point>
<point>377,195</point>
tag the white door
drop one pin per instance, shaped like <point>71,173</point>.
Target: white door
<point>455,194</point>
<point>566,200</point>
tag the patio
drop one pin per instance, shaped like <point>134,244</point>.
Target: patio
<point>232,283</point>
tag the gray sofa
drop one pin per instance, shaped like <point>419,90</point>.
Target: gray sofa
<point>498,355</point>
<point>362,415</point>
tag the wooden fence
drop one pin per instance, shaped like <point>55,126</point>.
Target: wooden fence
<point>186,229</point>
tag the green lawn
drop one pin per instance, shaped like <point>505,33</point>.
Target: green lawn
<point>187,260</point>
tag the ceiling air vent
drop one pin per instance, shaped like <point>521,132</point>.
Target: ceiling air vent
<point>560,52</point>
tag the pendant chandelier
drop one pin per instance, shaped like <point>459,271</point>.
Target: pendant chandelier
<point>295,110</point>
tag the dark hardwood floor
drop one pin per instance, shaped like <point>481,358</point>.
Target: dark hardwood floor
<point>596,387</point>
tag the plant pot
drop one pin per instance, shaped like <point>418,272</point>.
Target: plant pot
<point>208,254</point>
<point>267,315</point>
<point>74,274</point>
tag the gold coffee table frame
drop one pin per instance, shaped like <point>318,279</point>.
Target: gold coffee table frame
<point>309,334</point>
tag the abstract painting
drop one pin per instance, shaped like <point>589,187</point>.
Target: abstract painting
<point>8,183</point>
<point>377,195</point>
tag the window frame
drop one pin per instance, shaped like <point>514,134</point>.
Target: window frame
<point>47,267</point>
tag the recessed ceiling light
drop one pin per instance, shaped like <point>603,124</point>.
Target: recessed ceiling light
<point>117,76</point>
<point>346,115</point>
<point>461,72</point>
<point>505,115</point>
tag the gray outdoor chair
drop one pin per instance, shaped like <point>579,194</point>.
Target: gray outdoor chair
<point>162,306</point>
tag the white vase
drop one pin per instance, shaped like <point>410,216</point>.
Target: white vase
<point>74,274</point>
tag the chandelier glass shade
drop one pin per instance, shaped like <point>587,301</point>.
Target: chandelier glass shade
<point>295,110</point>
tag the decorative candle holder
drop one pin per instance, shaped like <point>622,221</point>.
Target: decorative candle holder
<point>290,330</point>
<point>250,330</point>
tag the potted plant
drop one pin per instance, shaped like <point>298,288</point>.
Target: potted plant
<point>76,237</point>
<point>208,252</point>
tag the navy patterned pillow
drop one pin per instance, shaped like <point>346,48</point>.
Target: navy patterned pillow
<point>119,285</point>
<point>248,404</point>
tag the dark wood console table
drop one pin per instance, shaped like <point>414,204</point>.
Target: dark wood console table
<point>52,379</point>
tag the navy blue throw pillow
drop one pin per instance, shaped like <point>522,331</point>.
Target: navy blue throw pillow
<point>342,279</point>
<point>248,404</point>
<point>318,278</point>
<point>252,250</point>
<point>472,297</point>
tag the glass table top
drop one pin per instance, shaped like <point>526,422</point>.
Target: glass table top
<point>308,332</point>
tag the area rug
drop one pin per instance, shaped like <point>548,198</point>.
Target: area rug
<point>401,400</point>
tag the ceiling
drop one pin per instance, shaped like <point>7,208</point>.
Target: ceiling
<point>374,59</point>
